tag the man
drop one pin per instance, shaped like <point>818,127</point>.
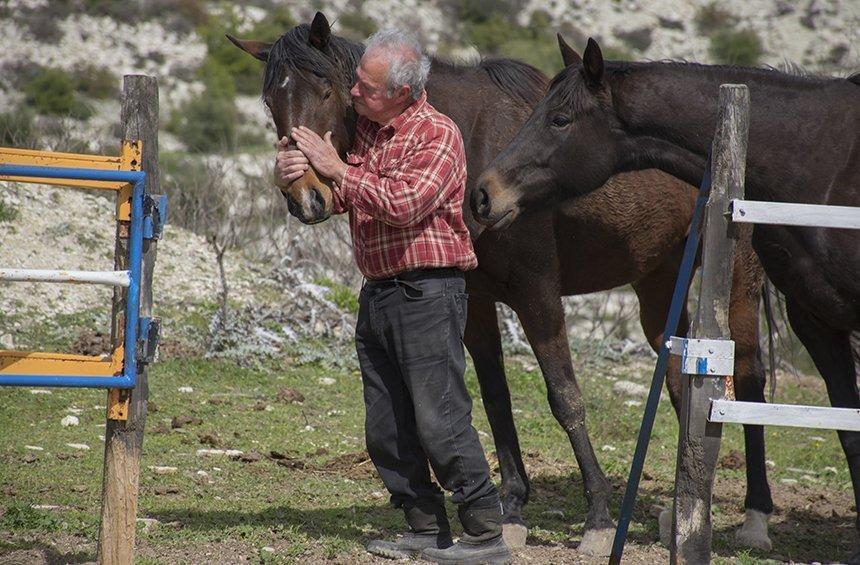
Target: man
<point>403,186</point>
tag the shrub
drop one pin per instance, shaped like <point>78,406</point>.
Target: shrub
<point>741,47</point>
<point>53,92</point>
<point>209,121</point>
<point>95,82</point>
<point>341,295</point>
<point>18,128</point>
<point>8,212</point>
<point>356,26</point>
<point>712,18</point>
<point>245,71</point>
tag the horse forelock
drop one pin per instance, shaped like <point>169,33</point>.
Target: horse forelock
<point>293,51</point>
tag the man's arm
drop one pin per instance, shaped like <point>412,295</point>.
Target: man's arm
<point>412,188</point>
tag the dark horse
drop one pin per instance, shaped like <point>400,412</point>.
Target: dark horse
<point>612,241</point>
<point>601,118</point>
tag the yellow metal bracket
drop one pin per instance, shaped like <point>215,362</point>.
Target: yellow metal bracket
<point>39,363</point>
<point>129,159</point>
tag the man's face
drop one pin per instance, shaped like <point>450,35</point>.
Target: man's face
<point>370,92</point>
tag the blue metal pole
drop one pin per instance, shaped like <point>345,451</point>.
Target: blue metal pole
<point>132,314</point>
<point>685,273</point>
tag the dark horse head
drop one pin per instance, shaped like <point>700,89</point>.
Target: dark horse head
<point>568,144</point>
<point>309,73</point>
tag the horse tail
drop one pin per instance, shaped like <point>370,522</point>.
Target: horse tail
<point>518,80</point>
<point>771,350</point>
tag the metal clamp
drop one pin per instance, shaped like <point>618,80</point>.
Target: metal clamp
<point>154,216</point>
<point>150,331</point>
<point>711,357</point>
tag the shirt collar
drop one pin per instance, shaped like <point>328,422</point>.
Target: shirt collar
<point>407,114</point>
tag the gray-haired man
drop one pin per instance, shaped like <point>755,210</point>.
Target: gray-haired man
<point>403,186</point>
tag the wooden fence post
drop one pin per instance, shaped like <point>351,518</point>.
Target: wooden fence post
<point>124,438</point>
<point>699,440</point>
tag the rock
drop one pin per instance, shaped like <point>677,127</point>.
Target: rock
<point>290,395</point>
<point>185,389</point>
<point>70,421</point>
<point>40,391</point>
<point>630,388</point>
<point>250,457</point>
<point>148,523</point>
<point>326,381</point>
<point>81,446</point>
<point>162,470</point>
<point>166,489</point>
<point>267,549</point>
<point>79,488</point>
<point>29,458</point>
<point>34,448</point>
<point>608,448</point>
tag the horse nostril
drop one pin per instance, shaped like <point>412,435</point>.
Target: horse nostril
<point>318,200</point>
<point>483,202</point>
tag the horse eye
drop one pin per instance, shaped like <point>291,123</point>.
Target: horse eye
<point>560,121</point>
<point>327,94</point>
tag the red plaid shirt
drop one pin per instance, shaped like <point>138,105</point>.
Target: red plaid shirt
<point>404,193</point>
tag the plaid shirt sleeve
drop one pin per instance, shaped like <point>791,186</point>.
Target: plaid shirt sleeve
<point>408,190</point>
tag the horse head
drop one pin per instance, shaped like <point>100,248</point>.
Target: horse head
<point>308,75</point>
<point>567,146</point>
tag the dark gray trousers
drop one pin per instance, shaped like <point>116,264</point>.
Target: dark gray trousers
<point>409,341</point>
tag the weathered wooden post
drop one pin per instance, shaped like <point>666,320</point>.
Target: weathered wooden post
<point>124,438</point>
<point>704,378</point>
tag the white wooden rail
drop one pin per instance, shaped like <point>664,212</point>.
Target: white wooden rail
<point>109,278</point>
<point>794,415</point>
<point>787,214</point>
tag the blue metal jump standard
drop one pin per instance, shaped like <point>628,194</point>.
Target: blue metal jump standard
<point>121,371</point>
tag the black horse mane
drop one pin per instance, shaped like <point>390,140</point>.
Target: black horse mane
<point>293,50</point>
<point>516,79</point>
<point>617,68</point>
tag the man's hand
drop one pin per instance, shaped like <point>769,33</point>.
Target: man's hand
<point>321,153</point>
<point>289,164</point>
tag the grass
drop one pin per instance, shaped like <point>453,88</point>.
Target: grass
<point>328,508</point>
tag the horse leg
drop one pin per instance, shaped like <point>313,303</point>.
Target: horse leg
<point>749,382</point>
<point>484,342</point>
<point>546,332</point>
<point>654,292</point>
<point>830,349</point>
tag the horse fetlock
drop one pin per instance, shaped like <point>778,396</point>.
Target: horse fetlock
<point>753,532</point>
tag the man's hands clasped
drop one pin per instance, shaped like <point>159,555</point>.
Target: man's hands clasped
<point>313,150</point>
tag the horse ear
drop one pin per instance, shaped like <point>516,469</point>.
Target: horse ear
<point>257,49</point>
<point>593,62</point>
<point>568,55</point>
<point>320,32</point>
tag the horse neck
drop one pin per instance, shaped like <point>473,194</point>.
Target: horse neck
<point>668,112</point>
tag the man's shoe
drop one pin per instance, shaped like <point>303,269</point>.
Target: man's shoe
<point>492,552</point>
<point>409,545</point>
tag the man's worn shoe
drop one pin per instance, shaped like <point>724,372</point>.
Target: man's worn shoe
<point>409,545</point>
<point>492,552</point>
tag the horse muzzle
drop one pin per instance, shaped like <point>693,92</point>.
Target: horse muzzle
<point>493,202</point>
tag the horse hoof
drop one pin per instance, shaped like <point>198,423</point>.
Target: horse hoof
<point>597,542</point>
<point>665,521</point>
<point>515,535</point>
<point>753,533</point>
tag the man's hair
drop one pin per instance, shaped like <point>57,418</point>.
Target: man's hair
<point>407,62</point>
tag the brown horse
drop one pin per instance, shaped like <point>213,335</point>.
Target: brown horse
<point>613,241</point>
<point>599,118</point>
